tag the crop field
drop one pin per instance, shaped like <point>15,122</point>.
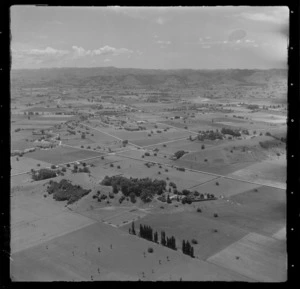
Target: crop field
<point>20,180</point>
<point>61,155</point>
<point>268,172</point>
<point>176,145</point>
<point>25,164</point>
<point>225,187</point>
<point>262,211</point>
<point>79,252</point>
<point>20,145</point>
<point>211,235</point>
<point>255,256</point>
<point>34,221</point>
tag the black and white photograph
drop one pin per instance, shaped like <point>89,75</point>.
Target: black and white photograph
<point>148,143</point>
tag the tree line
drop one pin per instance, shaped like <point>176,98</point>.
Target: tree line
<point>146,232</point>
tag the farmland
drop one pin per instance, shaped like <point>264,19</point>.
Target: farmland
<point>169,156</point>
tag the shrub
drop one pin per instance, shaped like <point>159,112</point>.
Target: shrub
<point>205,160</point>
<point>199,210</point>
<point>111,165</point>
<point>68,165</point>
<point>216,215</point>
<point>53,167</point>
<point>118,167</point>
<point>164,145</point>
<point>179,154</point>
<point>217,184</point>
<point>150,250</point>
<point>194,241</point>
<point>203,147</point>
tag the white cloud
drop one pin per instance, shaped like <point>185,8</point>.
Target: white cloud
<point>206,46</point>
<point>273,15</point>
<point>107,50</point>
<point>47,51</point>
<point>25,54</point>
<point>80,52</point>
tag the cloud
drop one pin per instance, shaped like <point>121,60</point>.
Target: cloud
<point>235,40</point>
<point>276,15</point>
<point>107,60</point>
<point>108,50</point>
<point>80,52</point>
<point>29,56</point>
<point>47,51</point>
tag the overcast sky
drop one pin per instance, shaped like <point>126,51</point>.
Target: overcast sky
<point>156,38</point>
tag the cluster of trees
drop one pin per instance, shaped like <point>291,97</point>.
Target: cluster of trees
<point>232,132</point>
<point>187,248</point>
<point>179,154</point>
<point>253,106</point>
<point>210,135</point>
<point>144,188</point>
<point>270,143</point>
<point>65,191</point>
<point>76,169</point>
<point>43,174</point>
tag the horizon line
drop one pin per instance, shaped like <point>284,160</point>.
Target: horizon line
<point>162,69</point>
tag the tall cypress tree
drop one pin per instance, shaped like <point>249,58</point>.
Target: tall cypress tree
<point>192,252</point>
<point>188,248</point>
<point>132,228</point>
<point>163,238</point>
<point>183,247</point>
<point>155,237</point>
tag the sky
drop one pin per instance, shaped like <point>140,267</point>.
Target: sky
<point>150,37</point>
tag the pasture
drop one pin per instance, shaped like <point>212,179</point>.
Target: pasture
<point>60,155</point>
<point>255,256</point>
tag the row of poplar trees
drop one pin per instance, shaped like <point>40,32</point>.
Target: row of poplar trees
<point>146,232</point>
<point>187,248</point>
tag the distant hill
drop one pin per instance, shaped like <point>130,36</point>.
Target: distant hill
<point>144,78</point>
